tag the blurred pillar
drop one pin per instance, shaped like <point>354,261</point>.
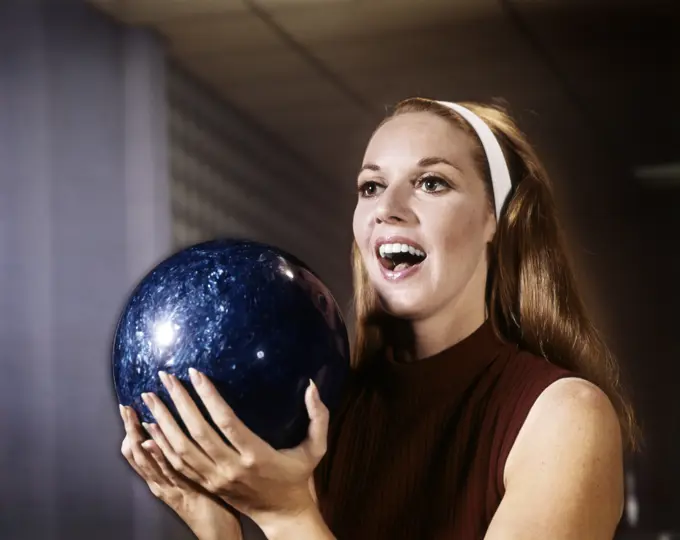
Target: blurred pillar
<point>84,211</point>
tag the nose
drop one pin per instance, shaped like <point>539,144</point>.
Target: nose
<point>393,206</point>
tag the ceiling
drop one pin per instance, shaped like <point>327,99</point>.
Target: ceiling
<point>320,73</point>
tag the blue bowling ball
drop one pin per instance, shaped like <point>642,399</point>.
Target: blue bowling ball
<point>253,318</point>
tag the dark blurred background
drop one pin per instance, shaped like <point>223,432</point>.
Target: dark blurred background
<point>131,128</point>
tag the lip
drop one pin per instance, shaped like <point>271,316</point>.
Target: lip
<point>402,274</point>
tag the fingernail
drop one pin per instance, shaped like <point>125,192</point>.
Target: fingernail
<point>315,390</point>
<point>146,427</point>
<point>196,377</point>
<point>122,411</point>
<point>148,400</point>
<point>166,380</point>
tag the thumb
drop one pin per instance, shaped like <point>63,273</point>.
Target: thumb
<point>317,434</point>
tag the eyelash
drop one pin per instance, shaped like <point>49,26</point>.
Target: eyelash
<point>419,182</point>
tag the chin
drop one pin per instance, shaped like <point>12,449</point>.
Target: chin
<point>403,307</point>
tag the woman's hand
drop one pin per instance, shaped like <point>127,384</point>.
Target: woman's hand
<point>257,480</point>
<point>206,516</point>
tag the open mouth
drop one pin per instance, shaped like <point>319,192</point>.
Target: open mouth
<point>397,257</point>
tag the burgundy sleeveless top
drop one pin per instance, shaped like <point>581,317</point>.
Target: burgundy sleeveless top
<point>418,450</point>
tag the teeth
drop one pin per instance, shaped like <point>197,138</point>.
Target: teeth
<point>400,248</point>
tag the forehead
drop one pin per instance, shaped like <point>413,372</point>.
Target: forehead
<point>412,136</point>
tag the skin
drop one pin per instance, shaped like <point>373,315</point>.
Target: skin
<point>564,474</point>
<point>269,486</point>
<point>443,207</point>
<point>205,515</point>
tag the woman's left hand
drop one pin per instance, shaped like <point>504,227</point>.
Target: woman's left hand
<point>252,477</point>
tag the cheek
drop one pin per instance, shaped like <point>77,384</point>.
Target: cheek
<point>461,235</point>
<point>361,227</point>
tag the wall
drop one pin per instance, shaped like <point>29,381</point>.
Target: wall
<point>229,177</point>
<point>84,204</point>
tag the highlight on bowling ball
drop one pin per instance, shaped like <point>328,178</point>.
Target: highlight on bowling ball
<point>253,318</point>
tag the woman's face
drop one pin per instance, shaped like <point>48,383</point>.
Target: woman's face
<point>423,220</point>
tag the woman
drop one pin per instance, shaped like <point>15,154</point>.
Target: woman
<point>482,403</point>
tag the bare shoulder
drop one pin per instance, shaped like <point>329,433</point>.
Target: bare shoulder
<point>578,392</point>
<point>566,465</point>
<point>576,400</point>
<point>571,416</point>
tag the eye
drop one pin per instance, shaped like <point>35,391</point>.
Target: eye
<point>369,189</point>
<point>432,184</point>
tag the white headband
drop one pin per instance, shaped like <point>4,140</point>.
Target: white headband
<point>500,175</point>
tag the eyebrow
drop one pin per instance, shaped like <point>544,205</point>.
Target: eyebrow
<point>425,162</point>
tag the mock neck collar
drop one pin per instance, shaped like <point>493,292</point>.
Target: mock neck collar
<point>450,371</point>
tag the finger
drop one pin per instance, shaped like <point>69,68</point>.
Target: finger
<point>170,474</point>
<point>126,450</point>
<point>132,426</point>
<point>124,416</point>
<point>317,435</point>
<point>157,454</point>
<point>182,446</point>
<point>238,434</point>
<point>170,456</point>
<point>132,450</point>
<point>201,431</point>
<point>143,459</point>
<point>140,461</point>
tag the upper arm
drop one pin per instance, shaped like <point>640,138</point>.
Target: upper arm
<point>564,474</point>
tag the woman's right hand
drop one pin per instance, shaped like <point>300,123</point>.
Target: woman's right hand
<point>206,516</point>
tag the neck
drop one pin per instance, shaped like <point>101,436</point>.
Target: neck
<point>422,338</point>
<point>445,329</point>
<point>455,321</point>
<point>451,323</point>
<point>426,336</point>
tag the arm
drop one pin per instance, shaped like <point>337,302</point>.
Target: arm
<point>564,474</point>
<point>214,524</point>
<point>308,525</point>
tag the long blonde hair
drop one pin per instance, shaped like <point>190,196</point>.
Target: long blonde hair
<point>532,297</point>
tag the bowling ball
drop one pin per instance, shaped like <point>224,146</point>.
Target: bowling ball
<point>251,317</point>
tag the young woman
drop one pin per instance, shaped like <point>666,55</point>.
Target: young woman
<point>482,404</point>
